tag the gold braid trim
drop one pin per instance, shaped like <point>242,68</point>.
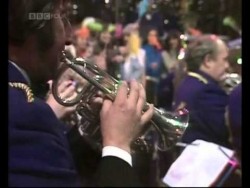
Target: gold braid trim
<point>198,76</point>
<point>25,88</point>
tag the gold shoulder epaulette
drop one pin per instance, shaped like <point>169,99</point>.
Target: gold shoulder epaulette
<point>25,88</point>
<point>198,76</point>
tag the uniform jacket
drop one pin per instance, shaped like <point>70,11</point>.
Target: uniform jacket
<point>206,102</point>
<point>39,152</point>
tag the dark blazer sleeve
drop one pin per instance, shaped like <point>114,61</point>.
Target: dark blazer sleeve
<point>38,150</point>
<point>99,171</point>
<point>115,172</point>
<point>86,155</point>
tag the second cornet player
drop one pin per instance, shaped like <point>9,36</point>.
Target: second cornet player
<point>39,153</point>
<point>200,91</point>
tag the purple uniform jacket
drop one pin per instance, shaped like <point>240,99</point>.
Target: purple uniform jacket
<point>39,150</point>
<point>39,153</point>
<point>206,102</point>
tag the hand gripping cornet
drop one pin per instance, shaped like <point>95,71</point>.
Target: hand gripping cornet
<point>89,81</point>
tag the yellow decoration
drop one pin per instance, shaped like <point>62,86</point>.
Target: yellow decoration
<point>25,88</point>
<point>134,43</point>
<point>198,76</point>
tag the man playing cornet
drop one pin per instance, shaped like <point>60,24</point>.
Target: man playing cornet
<point>39,153</point>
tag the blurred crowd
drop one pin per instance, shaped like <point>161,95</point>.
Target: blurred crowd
<point>160,63</point>
<point>138,52</point>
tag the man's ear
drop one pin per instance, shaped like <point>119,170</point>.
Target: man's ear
<point>208,60</point>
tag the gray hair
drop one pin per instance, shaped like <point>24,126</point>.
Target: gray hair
<point>199,49</point>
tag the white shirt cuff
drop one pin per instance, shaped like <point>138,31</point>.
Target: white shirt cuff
<point>117,152</point>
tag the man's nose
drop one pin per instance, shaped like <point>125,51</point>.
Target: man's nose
<point>68,41</point>
<point>227,65</point>
<point>69,38</point>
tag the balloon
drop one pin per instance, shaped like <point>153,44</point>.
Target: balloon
<point>97,27</point>
<point>83,32</point>
<point>111,28</point>
<point>143,7</point>
<point>87,21</point>
<point>118,30</point>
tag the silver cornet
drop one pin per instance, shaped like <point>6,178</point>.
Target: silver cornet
<point>89,81</point>
<point>230,81</point>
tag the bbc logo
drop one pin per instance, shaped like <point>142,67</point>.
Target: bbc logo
<point>42,16</point>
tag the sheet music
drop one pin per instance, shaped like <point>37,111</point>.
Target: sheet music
<point>199,165</point>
